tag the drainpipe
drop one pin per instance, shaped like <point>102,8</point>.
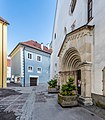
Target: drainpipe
<point>24,63</point>
<point>2,54</point>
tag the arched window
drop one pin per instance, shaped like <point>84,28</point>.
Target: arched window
<point>72,6</point>
<point>65,30</point>
<point>90,5</point>
<point>55,36</point>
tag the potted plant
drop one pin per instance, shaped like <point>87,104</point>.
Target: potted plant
<point>53,88</point>
<point>68,95</point>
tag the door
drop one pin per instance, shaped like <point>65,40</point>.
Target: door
<point>33,81</point>
<point>79,81</point>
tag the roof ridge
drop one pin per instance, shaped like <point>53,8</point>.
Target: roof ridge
<point>36,45</point>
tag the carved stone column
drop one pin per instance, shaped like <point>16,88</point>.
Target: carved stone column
<point>64,76</point>
<point>85,97</point>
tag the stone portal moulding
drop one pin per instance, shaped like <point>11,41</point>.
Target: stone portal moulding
<point>76,56</point>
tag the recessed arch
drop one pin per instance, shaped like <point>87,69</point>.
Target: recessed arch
<point>71,59</point>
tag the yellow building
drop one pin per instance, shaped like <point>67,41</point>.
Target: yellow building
<point>3,52</point>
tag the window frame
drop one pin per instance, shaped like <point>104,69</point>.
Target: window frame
<point>39,71</point>
<point>72,6</point>
<point>55,35</point>
<point>30,54</point>
<point>40,58</point>
<point>30,67</point>
<point>90,10</point>
<point>65,30</point>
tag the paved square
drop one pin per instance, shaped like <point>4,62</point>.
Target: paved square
<point>36,104</point>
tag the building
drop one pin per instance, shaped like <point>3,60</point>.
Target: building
<point>8,70</point>
<point>3,52</point>
<point>78,47</point>
<point>30,63</point>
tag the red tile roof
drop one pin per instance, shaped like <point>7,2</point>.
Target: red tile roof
<point>36,45</point>
<point>8,62</point>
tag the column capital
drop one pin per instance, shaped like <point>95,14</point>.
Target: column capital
<point>86,65</point>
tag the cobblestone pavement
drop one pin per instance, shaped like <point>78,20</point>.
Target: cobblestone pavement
<point>36,104</point>
<point>47,108</point>
<point>15,103</point>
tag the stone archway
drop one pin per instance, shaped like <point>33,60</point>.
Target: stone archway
<point>71,63</point>
<point>76,54</point>
<point>71,60</point>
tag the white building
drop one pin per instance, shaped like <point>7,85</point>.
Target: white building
<point>79,44</point>
<point>8,69</point>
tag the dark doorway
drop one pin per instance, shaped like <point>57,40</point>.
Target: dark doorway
<point>79,81</point>
<point>33,81</point>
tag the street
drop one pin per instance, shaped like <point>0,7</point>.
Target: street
<point>36,104</point>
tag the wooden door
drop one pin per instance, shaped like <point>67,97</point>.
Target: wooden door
<point>33,81</point>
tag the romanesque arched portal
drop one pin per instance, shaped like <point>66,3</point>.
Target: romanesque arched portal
<point>71,63</point>
<point>76,55</point>
<point>71,59</point>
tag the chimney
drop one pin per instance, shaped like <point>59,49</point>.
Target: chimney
<point>48,45</point>
<point>42,46</point>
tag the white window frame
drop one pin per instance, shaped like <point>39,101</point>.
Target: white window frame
<point>30,70</point>
<point>31,54</point>
<point>40,58</point>
<point>39,71</point>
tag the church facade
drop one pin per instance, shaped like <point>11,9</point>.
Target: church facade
<point>78,46</point>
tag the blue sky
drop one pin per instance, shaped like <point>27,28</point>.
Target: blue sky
<point>29,19</point>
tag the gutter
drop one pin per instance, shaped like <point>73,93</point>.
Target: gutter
<point>35,48</point>
<point>27,46</point>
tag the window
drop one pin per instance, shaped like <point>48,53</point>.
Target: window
<point>55,64</point>
<point>55,36</point>
<point>29,55</point>
<point>73,25</point>
<point>30,69</point>
<point>72,6</point>
<point>39,58</point>
<point>39,70</point>
<point>90,4</point>
<point>65,30</point>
